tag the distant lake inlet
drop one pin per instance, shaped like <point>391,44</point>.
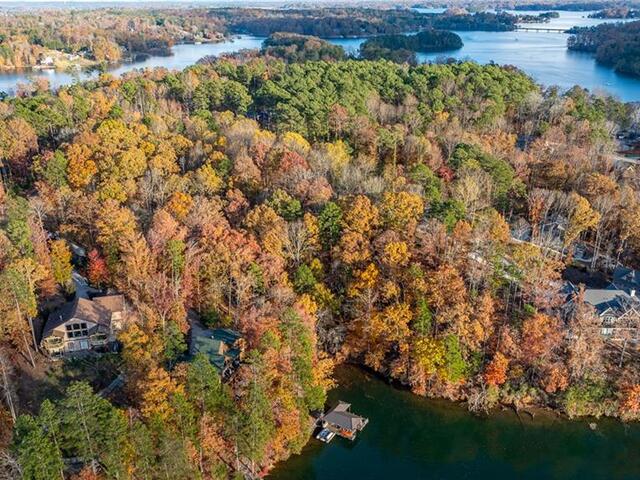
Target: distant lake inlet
<point>542,55</point>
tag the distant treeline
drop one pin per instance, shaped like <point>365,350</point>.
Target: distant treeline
<point>355,22</point>
<point>614,44</point>
<point>99,35</point>
<point>570,6</point>
<point>616,12</point>
<point>481,21</point>
<point>340,22</point>
<point>403,48</point>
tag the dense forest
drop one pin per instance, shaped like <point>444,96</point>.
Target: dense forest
<point>328,211</point>
<point>614,44</point>
<point>403,48</point>
<point>322,22</point>
<point>98,36</point>
<point>540,18</point>
<point>350,22</point>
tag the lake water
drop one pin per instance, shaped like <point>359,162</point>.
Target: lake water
<point>544,56</point>
<point>410,437</point>
<point>183,56</point>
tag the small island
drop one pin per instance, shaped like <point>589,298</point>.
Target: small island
<point>293,47</point>
<point>545,17</point>
<point>403,48</point>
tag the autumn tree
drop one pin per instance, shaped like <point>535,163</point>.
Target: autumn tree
<point>61,264</point>
<point>495,372</point>
<point>97,271</point>
<point>581,218</point>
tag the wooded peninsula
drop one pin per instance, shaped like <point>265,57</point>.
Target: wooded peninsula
<point>616,45</point>
<point>403,48</point>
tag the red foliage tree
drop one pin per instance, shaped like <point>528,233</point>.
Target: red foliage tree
<point>97,270</point>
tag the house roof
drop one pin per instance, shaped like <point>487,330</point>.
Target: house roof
<point>626,278</point>
<point>225,334</point>
<point>113,303</point>
<point>340,416</point>
<point>608,299</point>
<point>218,345</point>
<point>97,311</point>
<point>80,308</point>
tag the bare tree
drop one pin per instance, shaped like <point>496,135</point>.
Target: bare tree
<point>9,466</point>
<point>8,391</point>
<point>585,344</point>
<point>299,242</point>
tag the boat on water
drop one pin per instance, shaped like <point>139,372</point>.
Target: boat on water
<point>325,435</point>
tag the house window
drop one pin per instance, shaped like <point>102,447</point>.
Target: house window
<point>75,330</point>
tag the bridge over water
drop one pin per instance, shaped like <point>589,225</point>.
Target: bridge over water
<point>520,28</point>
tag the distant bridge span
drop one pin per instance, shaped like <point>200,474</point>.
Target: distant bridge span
<point>540,29</point>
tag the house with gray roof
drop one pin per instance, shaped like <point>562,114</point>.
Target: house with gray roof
<point>618,308</point>
<point>627,279</point>
<point>84,324</point>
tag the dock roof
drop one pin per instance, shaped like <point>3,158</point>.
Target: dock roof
<point>340,416</point>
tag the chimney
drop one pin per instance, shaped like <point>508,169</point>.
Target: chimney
<point>632,292</point>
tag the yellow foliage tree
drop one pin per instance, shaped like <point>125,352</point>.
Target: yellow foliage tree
<point>582,218</point>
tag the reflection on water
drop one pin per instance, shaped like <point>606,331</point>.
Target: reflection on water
<point>183,56</point>
<point>544,56</point>
<point>409,437</point>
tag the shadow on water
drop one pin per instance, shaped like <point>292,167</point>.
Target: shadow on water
<point>413,437</point>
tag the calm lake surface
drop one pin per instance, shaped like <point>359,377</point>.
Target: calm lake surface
<point>410,437</point>
<point>544,56</point>
<point>183,56</point>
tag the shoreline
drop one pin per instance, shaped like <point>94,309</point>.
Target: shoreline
<point>431,420</point>
<point>532,411</point>
<point>90,65</point>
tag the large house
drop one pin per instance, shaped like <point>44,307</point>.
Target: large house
<point>617,305</point>
<point>84,324</point>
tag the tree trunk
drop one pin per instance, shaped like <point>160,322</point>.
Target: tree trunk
<point>7,386</point>
<point>26,344</point>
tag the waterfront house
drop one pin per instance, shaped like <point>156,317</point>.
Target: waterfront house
<point>617,305</point>
<point>84,324</point>
<point>343,422</point>
<point>222,346</point>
